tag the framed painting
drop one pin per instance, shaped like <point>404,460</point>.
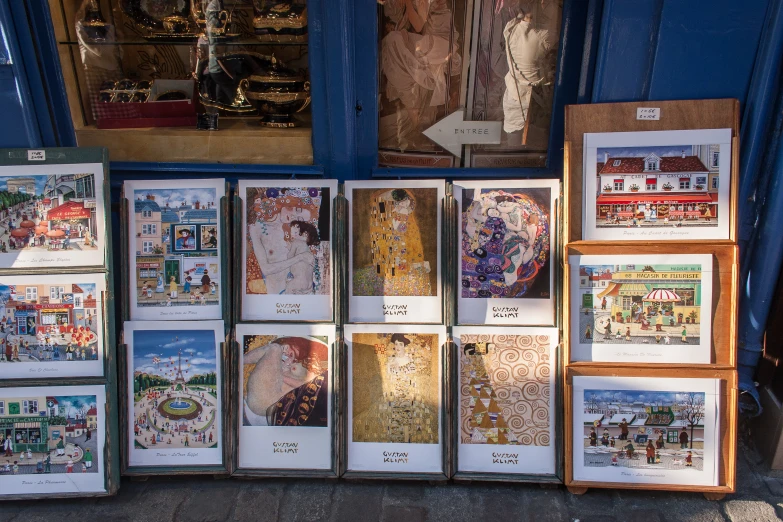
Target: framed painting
<point>52,326</point>
<point>395,412</point>
<point>286,397</point>
<point>653,431</point>
<point>506,394</point>
<point>175,266</point>
<point>174,395</point>
<point>657,185</point>
<point>505,246</point>
<point>54,441</point>
<point>287,244</point>
<point>394,267</point>
<point>641,308</point>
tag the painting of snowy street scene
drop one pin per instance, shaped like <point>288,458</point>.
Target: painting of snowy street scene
<point>630,434</point>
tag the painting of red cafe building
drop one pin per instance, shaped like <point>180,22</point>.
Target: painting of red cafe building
<point>656,190</point>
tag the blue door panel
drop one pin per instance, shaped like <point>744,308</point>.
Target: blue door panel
<point>629,30</point>
<point>706,50</point>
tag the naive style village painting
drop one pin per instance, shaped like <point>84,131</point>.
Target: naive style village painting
<point>49,434</point>
<point>657,186</point>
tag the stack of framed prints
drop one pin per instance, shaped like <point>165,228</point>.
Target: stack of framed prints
<point>174,358</point>
<point>57,359</point>
<point>506,422</point>
<point>651,267</point>
<point>285,356</point>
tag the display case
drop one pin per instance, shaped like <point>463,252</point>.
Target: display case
<point>139,75</point>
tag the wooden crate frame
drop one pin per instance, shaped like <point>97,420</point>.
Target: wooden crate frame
<point>725,285</point>
<point>727,434</point>
<point>621,117</point>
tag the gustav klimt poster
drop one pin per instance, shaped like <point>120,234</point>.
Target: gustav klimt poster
<point>394,250</point>
<point>394,401</point>
<point>506,399</point>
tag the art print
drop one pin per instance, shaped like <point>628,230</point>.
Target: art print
<point>422,74</point>
<point>394,251</point>
<point>657,185</point>
<point>506,399</point>
<point>52,216</point>
<point>287,250</point>
<point>174,393</point>
<point>394,398</point>
<point>286,396</point>
<point>646,431</point>
<point>53,440</point>
<point>174,248</point>
<point>52,326</point>
<point>505,247</point>
<point>639,308</point>
<point>514,50</point>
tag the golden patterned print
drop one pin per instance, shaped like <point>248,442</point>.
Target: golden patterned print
<point>505,390</point>
<point>395,388</point>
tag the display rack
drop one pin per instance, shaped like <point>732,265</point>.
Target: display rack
<point>671,115</point>
<point>50,159</point>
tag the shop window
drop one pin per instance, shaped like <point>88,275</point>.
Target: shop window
<point>495,59</point>
<point>149,229</point>
<point>685,184</point>
<point>31,293</point>
<point>618,184</point>
<point>2,407</point>
<point>627,302</point>
<point>77,301</point>
<point>715,159</point>
<point>30,406</point>
<point>56,292</point>
<point>146,213</point>
<point>244,63</point>
<point>651,184</point>
<point>616,163</point>
<point>147,247</point>
<point>715,182</point>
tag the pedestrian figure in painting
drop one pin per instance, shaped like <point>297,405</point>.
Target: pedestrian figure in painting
<point>628,334</point>
<point>588,332</point>
<point>593,437</point>
<point>614,459</point>
<point>659,443</point>
<point>629,450</point>
<point>684,335</point>
<point>683,439</point>
<point>88,458</point>
<point>48,464</point>
<point>611,442</point>
<point>608,329</point>
<point>205,280</point>
<point>186,289</point>
<point>657,458</point>
<point>605,438</point>
<point>172,287</point>
<point>650,452</point>
<point>623,429</point>
<point>689,459</point>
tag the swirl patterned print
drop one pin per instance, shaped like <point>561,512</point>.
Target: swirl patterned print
<point>505,243</point>
<point>505,390</point>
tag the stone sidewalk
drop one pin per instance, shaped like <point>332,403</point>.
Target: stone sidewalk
<point>759,498</point>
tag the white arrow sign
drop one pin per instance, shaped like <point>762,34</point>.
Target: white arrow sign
<point>452,132</point>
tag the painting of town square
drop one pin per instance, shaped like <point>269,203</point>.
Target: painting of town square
<point>51,323</point>
<point>174,243</point>
<point>285,380</point>
<point>43,434</point>
<point>671,184</point>
<point>642,302</point>
<point>395,387</point>
<point>175,389</point>
<point>644,429</point>
<point>46,217</point>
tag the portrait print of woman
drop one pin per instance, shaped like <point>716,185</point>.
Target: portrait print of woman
<point>286,381</point>
<point>288,241</point>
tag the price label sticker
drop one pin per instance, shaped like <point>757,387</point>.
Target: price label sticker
<point>648,113</point>
<point>36,155</point>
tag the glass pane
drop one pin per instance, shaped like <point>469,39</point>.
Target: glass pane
<point>495,57</point>
<point>168,63</point>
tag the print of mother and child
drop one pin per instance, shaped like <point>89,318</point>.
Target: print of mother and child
<point>285,228</point>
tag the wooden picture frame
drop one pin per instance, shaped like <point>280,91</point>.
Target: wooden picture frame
<point>622,117</point>
<point>725,284</point>
<point>726,435</point>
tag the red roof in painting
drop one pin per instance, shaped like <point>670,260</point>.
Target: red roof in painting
<point>92,411</point>
<point>668,164</point>
<point>583,271</point>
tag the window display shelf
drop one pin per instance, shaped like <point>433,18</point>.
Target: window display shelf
<point>190,43</point>
<point>237,141</point>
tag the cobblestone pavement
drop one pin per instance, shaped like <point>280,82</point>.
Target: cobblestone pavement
<point>759,498</point>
